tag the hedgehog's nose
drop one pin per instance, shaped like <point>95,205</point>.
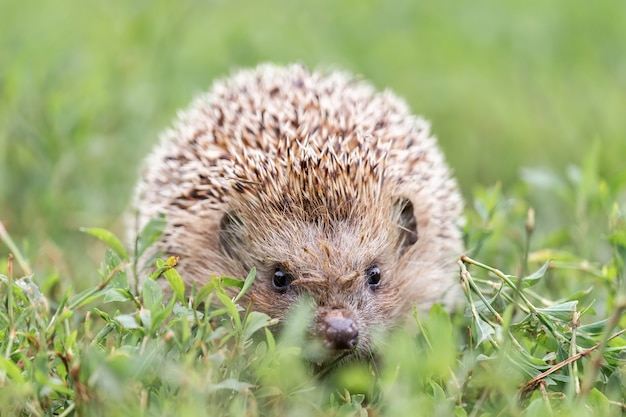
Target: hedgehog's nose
<point>338,331</point>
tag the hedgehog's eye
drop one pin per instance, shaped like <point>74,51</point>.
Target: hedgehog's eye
<point>281,279</point>
<point>373,276</point>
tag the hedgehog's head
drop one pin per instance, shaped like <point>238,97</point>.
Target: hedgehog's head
<point>329,229</point>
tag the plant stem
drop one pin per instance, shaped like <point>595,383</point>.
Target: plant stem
<point>6,238</point>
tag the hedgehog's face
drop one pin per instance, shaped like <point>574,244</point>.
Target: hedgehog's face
<point>347,267</point>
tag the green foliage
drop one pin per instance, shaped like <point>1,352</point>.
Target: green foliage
<point>546,339</point>
<point>87,86</point>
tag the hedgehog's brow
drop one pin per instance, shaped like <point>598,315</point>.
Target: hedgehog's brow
<point>309,280</point>
<point>311,283</point>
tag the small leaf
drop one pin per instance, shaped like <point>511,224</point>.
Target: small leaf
<point>483,330</point>
<point>152,294</point>
<point>231,308</point>
<point>246,284</point>
<point>205,291</point>
<point>160,315</point>
<point>438,394</point>
<point>594,329</point>
<point>146,318</point>
<point>12,370</point>
<point>217,283</point>
<point>230,282</point>
<point>116,294</point>
<point>534,278</point>
<point>151,232</point>
<point>103,315</point>
<point>561,311</point>
<point>109,238</point>
<point>113,266</point>
<point>176,283</point>
<point>270,340</point>
<point>254,322</point>
<point>599,402</point>
<point>127,321</point>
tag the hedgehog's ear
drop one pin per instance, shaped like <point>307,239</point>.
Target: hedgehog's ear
<point>230,234</point>
<point>407,224</point>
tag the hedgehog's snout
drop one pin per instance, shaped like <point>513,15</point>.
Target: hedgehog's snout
<point>338,330</point>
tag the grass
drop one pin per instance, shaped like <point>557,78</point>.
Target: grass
<point>545,336</point>
<point>524,95</point>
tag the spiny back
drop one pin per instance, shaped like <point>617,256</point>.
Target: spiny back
<point>247,127</point>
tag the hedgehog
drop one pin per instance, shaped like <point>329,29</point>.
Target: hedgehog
<point>331,189</point>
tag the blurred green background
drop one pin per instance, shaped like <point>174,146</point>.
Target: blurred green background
<point>86,86</point>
